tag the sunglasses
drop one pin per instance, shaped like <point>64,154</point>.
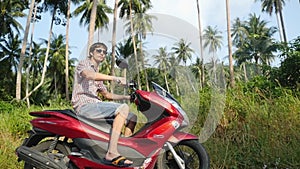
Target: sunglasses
<point>101,51</point>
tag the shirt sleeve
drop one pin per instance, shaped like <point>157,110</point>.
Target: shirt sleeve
<point>83,65</point>
<point>101,87</point>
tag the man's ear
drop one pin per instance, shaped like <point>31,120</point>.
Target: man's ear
<point>91,54</point>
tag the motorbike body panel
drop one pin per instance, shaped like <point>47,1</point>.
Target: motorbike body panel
<point>91,138</point>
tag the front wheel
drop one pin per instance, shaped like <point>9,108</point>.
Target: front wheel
<point>191,151</point>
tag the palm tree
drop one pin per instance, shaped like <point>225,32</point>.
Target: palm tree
<point>213,40</point>
<point>269,6</point>
<point>33,20</point>
<point>67,52</point>
<point>53,6</point>
<point>142,24</point>
<point>162,60</point>
<point>114,35</point>
<point>239,32</point>
<point>10,10</point>
<point>57,64</point>
<point>197,70</point>
<point>174,71</point>
<point>92,23</point>
<point>19,73</point>
<point>183,51</point>
<point>11,52</point>
<point>232,83</point>
<point>128,8</point>
<point>33,65</point>
<point>16,25</point>
<point>258,44</point>
<point>201,43</point>
<point>100,16</point>
<point>67,46</point>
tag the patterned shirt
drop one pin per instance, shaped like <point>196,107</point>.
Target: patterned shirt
<point>85,90</point>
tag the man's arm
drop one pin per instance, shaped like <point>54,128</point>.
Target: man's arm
<point>91,75</point>
<point>112,96</point>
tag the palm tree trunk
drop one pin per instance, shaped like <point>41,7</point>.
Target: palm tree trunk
<point>134,46</point>
<point>232,82</point>
<point>281,26</point>
<point>46,58</point>
<point>92,23</point>
<point>166,81</point>
<point>202,77</point>
<point>67,52</point>
<point>20,66</point>
<point>245,72</point>
<point>113,50</point>
<point>29,59</point>
<point>143,64</point>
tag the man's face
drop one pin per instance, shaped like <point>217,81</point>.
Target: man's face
<point>99,54</point>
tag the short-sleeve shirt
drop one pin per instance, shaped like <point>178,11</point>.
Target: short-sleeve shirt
<point>85,90</point>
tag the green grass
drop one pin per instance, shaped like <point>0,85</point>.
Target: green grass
<point>255,131</point>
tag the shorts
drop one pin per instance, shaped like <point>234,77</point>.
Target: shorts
<point>101,110</point>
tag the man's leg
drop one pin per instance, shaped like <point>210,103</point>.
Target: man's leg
<point>129,128</point>
<point>119,121</point>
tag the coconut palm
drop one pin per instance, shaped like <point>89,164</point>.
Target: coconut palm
<point>57,64</point>
<point>197,70</point>
<point>10,50</point>
<point>67,45</point>
<point>127,9</point>
<point>114,35</point>
<point>161,59</point>
<point>258,45</point>
<point>182,51</point>
<point>100,16</point>
<point>201,42</point>
<point>142,24</point>
<point>85,10</point>
<point>239,32</point>
<point>9,60</point>
<point>174,71</point>
<point>10,10</point>
<point>53,6</point>
<point>269,6</point>
<point>232,82</point>
<point>212,39</point>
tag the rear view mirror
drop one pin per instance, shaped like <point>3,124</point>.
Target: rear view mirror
<point>122,63</point>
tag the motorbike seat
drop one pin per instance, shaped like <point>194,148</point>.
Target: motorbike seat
<point>100,124</point>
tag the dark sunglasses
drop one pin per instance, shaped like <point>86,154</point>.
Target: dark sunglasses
<point>101,51</point>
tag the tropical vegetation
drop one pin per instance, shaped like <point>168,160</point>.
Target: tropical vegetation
<point>259,125</point>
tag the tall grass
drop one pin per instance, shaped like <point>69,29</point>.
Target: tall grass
<point>14,124</point>
<point>257,130</point>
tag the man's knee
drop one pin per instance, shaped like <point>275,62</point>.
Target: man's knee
<point>123,109</point>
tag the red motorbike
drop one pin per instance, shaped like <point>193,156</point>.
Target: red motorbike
<point>59,139</point>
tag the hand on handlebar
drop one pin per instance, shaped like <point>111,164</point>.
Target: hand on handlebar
<point>121,81</point>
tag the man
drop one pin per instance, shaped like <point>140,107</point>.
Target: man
<point>88,83</point>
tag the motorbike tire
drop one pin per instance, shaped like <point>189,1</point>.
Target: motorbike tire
<point>43,147</point>
<point>191,151</point>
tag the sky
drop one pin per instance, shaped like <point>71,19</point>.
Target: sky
<point>184,11</point>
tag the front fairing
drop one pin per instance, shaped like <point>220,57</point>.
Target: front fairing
<point>170,99</point>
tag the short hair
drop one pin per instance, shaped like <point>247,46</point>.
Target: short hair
<point>96,45</point>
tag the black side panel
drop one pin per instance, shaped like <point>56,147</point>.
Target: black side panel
<point>37,158</point>
<point>96,150</point>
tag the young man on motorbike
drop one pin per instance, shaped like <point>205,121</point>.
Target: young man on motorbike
<point>88,83</point>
